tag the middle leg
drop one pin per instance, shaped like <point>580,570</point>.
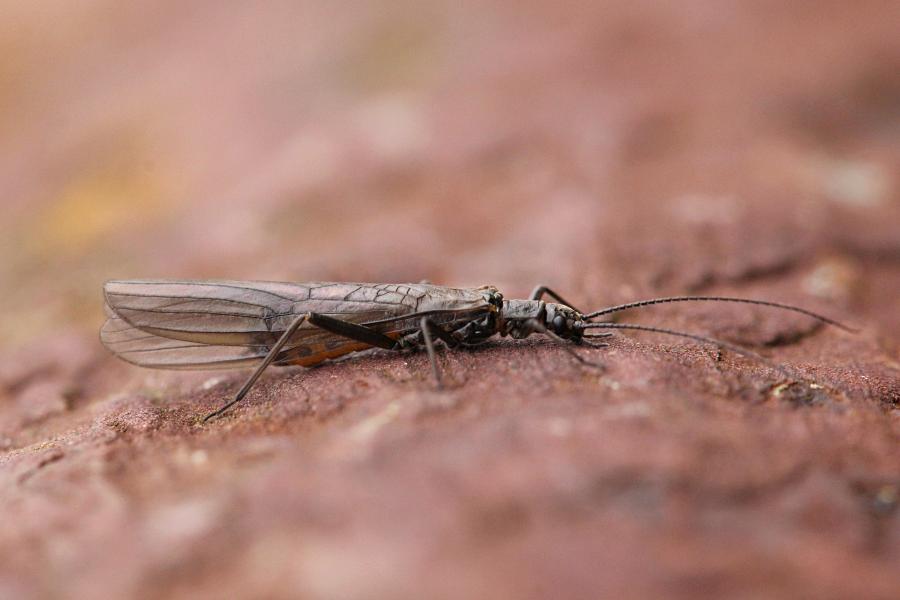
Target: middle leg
<point>429,327</point>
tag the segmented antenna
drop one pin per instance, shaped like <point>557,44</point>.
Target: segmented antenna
<point>797,309</point>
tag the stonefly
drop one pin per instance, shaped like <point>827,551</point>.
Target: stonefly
<point>169,324</point>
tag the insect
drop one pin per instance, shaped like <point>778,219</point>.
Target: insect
<point>170,324</point>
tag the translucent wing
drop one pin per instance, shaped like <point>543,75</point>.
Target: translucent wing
<point>208,313</point>
<point>237,312</point>
<point>224,324</point>
<point>147,350</point>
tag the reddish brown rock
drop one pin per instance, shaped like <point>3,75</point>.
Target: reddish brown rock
<point>612,151</point>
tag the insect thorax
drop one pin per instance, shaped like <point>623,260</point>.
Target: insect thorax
<point>516,314</point>
<point>521,318</point>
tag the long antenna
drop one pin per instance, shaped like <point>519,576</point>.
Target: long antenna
<point>692,336</point>
<point>797,309</point>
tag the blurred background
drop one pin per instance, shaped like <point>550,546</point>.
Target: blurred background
<point>610,149</point>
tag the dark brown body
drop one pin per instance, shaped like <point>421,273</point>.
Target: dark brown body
<point>226,324</point>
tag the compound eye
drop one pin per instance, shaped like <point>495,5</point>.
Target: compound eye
<point>559,323</point>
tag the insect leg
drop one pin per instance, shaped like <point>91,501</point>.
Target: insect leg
<point>590,344</point>
<point>539,327</point>
<point>585,340</point>
<point>429,327</point>
<point>336,326</point>
<point>262,366</point>
<point>541,290</point>
<point>353,331</point>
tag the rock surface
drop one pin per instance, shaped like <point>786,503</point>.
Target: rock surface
<point>612,151</point>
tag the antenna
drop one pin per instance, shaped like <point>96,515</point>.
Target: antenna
<point>797,309</point>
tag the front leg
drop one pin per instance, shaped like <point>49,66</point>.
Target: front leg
<point>564,344</point>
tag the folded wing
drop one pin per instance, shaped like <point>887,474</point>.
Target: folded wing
<point>218,313</point>
<point>138,347</point>
<point>225,324</point>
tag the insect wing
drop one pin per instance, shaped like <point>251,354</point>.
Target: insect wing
<point>220,313</point>
<point>200,324</point>
<point>140,348</point>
